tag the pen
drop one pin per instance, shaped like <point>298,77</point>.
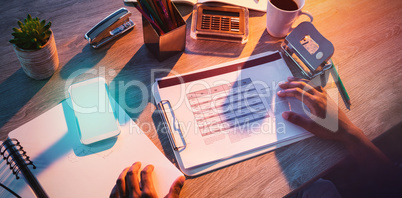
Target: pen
<point>341,87</point>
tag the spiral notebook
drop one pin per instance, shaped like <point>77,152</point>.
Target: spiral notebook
<point>67,168</point>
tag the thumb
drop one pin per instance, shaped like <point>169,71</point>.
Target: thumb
<point>176,187</point>
<point>299,120</point>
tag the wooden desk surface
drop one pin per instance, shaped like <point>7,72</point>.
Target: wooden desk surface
<point>367,38</point>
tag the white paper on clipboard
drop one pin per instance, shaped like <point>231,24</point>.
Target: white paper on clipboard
<point>230,112</point>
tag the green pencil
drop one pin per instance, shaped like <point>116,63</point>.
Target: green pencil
<point>154,15</point>
<point>341,87</point>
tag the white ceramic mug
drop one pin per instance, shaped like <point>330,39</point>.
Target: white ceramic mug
<point>279,22</point>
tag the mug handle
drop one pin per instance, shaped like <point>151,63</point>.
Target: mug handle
<point>305,13</point>
<point>308,14</point>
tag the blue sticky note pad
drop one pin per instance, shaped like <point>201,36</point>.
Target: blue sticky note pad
<point>93,110</point>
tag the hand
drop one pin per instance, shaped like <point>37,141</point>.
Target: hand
<point>324,112</point>
<point>127,185</point>
<point>372,162</point>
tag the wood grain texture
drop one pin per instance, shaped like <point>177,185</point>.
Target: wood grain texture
<point>367,38</point>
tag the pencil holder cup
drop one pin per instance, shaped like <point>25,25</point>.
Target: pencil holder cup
<point>168,44</point>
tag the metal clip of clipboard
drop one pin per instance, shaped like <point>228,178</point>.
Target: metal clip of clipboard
<point>309,50</point>
<point>172,125</point>
<point>110,27</point>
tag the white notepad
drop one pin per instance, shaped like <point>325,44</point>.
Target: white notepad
<point>67,168</point>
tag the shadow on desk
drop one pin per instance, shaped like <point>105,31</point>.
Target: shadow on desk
<point>83,61</point>
<point>131,87</point>
<point>20,89</point>
<point>163,137</point>
<point>351,181</point>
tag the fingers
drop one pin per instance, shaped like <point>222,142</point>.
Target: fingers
<point>147,181</point>
<point>299,120</point>
<point>114,193</point>
<point>121,184</point>
<point>176,187</point>
<point>132,183</point>
<point>128,185</point>
<point>298,84</point>
<point>292,78</point>
<point>318,88</point>
<point>298,94</point>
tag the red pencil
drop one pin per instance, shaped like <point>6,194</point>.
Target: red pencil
<point>165,14</point>
<point>156,26</point>
<point>169,8</point>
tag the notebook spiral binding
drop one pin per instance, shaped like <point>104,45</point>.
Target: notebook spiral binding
<point>13,146</point>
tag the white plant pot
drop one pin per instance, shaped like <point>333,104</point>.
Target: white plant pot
<point>39,64</point>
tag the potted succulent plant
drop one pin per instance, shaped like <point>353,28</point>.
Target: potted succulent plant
<point>35,47</point>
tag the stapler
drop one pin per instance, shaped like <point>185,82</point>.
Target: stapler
<point>109,28</point>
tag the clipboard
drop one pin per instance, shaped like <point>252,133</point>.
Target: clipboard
<point>206,168</point>
<point>178,136</point>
